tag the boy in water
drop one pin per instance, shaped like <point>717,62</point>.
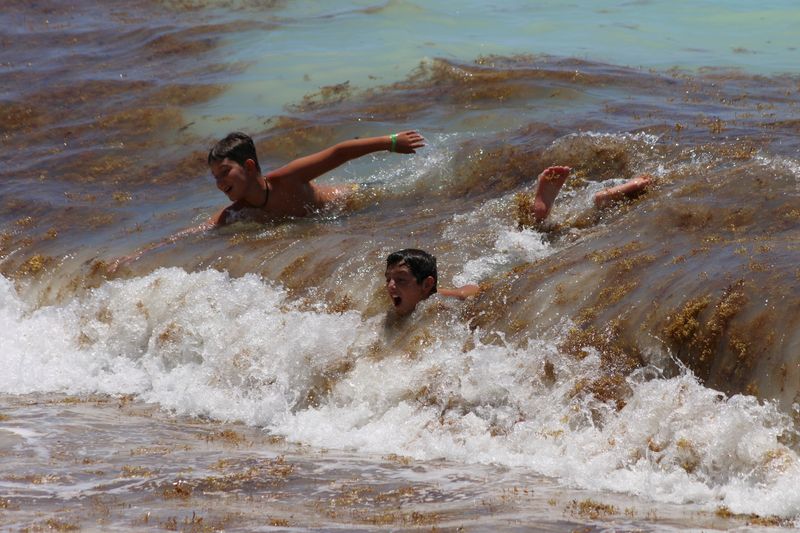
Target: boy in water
<point>285,192</point>
<point>552,179</point>
<point>411,277</point>
<point>411,274</point>
<point>289,191</point>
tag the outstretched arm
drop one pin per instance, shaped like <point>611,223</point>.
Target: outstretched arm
<point>312,166</point>
<point>462,293</point>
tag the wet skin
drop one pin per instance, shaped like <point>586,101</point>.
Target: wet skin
<point>404,291</point>
<point>231,178</point>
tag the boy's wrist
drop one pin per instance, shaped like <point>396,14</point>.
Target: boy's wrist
<point>393,142</point>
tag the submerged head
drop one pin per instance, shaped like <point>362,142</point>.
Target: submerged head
<point>233,162</point>
<point>410,278</point>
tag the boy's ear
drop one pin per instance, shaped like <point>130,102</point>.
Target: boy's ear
<point>427,284</point>
<point>250,165</point>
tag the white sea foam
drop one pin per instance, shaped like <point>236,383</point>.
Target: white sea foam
<point>511,247</point>
<point>647,138</point>
<point>428,168</point>
<point>240,349</point>
<point>782,164</point>
<point>197,343</point>
<point>674,441</point>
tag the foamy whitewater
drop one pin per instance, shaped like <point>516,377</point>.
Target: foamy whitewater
<point>237,350</point>
<point>632,367</point>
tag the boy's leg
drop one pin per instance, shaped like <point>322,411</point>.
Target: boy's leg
<point>550,182</point>
<point>629,189</point>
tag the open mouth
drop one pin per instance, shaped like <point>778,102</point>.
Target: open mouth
<point>396,300</point>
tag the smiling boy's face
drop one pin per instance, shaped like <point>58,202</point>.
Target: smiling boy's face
<point>404,290</point>
<point>231,177</point>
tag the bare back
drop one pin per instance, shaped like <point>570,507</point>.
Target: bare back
<point>290,198</point>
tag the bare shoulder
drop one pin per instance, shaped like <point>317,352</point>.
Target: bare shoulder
<point>278,179</point>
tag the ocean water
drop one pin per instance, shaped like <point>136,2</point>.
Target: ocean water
<point>631,368</point>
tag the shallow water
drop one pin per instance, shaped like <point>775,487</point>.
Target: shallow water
<point>643,358</point>
<point>196,475</point>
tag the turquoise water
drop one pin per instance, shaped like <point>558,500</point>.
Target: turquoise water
<point>318,43</point>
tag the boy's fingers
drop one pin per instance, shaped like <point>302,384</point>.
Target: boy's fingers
<point>409,141</point>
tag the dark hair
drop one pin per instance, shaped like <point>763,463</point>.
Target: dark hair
<point>236,146</point>
<point>419,262</point>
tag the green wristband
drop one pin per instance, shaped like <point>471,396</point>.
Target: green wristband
<point>393,137</point>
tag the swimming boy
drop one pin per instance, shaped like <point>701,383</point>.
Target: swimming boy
<point>552,179</point>
<point>285,192</point>
<point>411,277</point>
<point>289,191</point>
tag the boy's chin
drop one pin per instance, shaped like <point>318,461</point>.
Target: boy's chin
<point>401,310</point>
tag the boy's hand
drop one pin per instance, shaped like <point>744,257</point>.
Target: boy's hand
<point>408,141</point>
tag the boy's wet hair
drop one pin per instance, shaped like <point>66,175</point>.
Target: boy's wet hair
<point>419,262</point>
<point>236,146</point>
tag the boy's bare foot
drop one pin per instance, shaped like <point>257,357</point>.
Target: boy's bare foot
<point>630,188</point>
<point>550,182</point>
